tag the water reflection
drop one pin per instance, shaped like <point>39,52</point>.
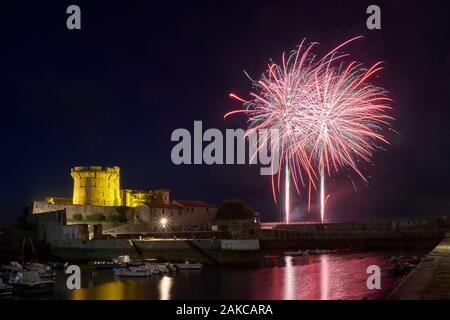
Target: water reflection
<point>328,276</point>
<point>290,282</point>
<point>165,286</point>
<point>324,277</point>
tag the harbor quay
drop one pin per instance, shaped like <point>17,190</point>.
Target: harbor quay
<point>430,280</point>
<point>103,220</point>
<point>214,252</point>
<point>86,242</point>
<point>401,233</point>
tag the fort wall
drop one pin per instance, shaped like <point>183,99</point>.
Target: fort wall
<point>98,186</point>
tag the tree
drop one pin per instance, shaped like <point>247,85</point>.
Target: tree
<point>157,197</point>
<point>95,217</point>
<point>121,214</point>
<point>77,217</point>
<point>234,209</point>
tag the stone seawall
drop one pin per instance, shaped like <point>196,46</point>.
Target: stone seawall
<point>204,251</point>
<point>85,210</point>
<point>368,243</point>
<point>430,280</point>
<point>384,234</point>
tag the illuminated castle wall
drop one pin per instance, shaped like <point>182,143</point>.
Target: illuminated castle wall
<point>136,198</point>
<point>97,186</point>
<point>97,197</point>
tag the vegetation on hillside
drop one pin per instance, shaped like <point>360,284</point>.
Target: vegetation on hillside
<point>234,209</point>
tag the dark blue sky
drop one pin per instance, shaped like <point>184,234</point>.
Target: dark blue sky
<point>112,93</point>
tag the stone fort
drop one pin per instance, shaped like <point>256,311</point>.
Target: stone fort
<point>97,194</point>
<point>100,186</point>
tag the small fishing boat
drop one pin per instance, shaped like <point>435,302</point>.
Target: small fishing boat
<point>109,265</point>
<point>307,252</point>
<point>140,262</point>
<point>47,274</point>
<point>29,282</point>
<point>132,272</point>
<point>296,253</point>
<point>12,267</point>
<point>116,263</point>
<point>172,267</point>
<point>6,290</point>
<point>271,257</point>
<point>163,269</point>
<point>189,266</point>
<point>320,251</point>
<point>59,265</point>
<point>45,271</point>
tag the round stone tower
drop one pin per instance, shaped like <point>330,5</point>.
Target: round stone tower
<point>97,186</point>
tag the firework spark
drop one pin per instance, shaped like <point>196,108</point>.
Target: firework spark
<point>328,115</point>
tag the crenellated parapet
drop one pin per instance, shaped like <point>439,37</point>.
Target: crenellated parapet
<point>95,185</point>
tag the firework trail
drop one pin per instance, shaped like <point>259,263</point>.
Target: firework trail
<point>274,105</point>
<point>287,187</point>
<point>328,116</point>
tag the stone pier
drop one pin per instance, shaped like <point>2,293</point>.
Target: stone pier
<point>430,280</point>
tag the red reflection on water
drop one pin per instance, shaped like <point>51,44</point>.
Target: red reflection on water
<point>324,277</point>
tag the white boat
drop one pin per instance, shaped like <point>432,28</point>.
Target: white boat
<point>296,253</point>
<point>140,262</point>
<point>189,266</point>
<point>12,267</point>
<point>45,271</point>
<point>156,271</point>
<point>306,252</point>
<point>29,282</point>
<point>47,274</point>
<point>132,272</point>
<point>321,251</point>
<point>172,267</point>
<point>158,268</point>
<point>39,267</point>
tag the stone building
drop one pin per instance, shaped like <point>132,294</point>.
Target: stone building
<point>136,198</point>
<point>98,197</point>
<point>51,226</point>
<point>96,186</point>
<point>100,186</point>
<point>179,215</point>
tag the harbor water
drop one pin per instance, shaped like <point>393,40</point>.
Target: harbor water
<point>315,277</point>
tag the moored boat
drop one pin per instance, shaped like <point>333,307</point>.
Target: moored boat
<point>59,265</point>
<point>14,266</point>
<point>109,265</point>
<point>29,282</point>
<point>140,262</point>
<point>132,272</point>
<point>189,266</point>
<point>6,290</point>
<point>307,252</point>
<point>45,271</point>
<point>296,253</point>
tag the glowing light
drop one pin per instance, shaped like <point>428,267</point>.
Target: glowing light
<point>287,192</point>
<point>163,222</point>
<point>327,113</point>
<point>322,194</point>
<point>289,280</point>
<point>165,288</point>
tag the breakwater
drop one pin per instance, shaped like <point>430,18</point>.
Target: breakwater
<point>371,234</point>
<point>221,252</point>
<point>430,280</point>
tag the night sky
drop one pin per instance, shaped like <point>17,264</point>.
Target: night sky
<point>113,92</point>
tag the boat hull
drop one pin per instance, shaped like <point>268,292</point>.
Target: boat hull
<point>34,288</point>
